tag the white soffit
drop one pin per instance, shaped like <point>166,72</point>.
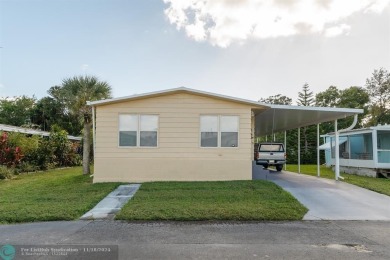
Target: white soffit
<point>280,117</point>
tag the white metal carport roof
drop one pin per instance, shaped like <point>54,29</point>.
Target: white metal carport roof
<point>283,117</point>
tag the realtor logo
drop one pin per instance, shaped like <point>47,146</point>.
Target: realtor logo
<point>7,252</point>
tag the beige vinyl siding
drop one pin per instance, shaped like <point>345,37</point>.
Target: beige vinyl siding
<point>178,155</point>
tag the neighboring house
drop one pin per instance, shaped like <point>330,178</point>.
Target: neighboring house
<point>187,135</point>
<point>362,151</point>
<point>29,131</point>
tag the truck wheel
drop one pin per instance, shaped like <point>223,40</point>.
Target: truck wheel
<point>265,166</point>
<point>279,167</point>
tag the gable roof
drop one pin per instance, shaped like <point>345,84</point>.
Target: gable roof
<point>178,90</point>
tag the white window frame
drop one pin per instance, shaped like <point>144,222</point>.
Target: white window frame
<point>219,135</point>
<point>138,145</point>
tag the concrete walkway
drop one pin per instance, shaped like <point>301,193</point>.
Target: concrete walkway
<point>329,199</point>
<point>111,204</point>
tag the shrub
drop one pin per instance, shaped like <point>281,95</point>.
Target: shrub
<point>39,153</point>
<point>61,145</point>
<point>5,172</point>
<point>28,144</point>
<point>9,156</point>
<point>65,152</point>
<point>43,156</point>
<point>26,167</point>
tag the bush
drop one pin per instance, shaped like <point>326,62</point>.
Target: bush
<point>28,144</point>
<point>42,156</point>
<point>5,172</point>
<point>26,167</point>
<point>39,153</point>
<point>64,151</point>
<point>9,156</point>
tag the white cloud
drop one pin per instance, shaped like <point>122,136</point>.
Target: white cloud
<point>337,30</point>
<point>222,22</point>
<point>84,67</point>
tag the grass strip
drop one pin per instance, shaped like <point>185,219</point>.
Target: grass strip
<point>214,200</point>
<point>63,194</point>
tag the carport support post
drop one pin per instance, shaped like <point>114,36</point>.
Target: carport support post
<point>299,150</point>
<point>336,156</point>
<point>318,150</point>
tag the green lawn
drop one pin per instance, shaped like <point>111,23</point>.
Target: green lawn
<point>225,200</point>
<point>379,185</point>
<point>53,195</point>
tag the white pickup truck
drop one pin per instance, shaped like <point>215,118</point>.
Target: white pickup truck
<point>271,154</point>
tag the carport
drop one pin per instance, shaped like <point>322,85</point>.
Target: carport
<point>280,118</point>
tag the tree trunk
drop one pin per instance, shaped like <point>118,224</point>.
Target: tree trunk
<point>86,147</point>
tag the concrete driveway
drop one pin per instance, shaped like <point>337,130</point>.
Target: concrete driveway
<point>329,199</point>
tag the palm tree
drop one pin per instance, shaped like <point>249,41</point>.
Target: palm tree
<point>74,94</point>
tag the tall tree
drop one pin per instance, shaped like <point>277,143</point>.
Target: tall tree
<point>74,94</point>
<point>277,100</point>
<point>378,87</point>
<point>306,97</point>
<point>49,111</point>
<point>16,111</point>
<point>328,98</point>
<point>352,97</point>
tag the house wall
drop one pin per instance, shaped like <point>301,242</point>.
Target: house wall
<point>178,156</point>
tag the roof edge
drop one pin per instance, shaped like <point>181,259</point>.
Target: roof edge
<point>177,90</point>
<point>364,129</point>
<point>325,109</point>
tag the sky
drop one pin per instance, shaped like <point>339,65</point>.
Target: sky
<point>248,49</point>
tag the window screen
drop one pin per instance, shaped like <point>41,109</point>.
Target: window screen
<point>209,131</point>
<point>128,128</point>
<point>229,131</point>
<point>148,130</point>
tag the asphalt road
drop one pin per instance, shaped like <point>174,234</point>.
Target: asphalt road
<point>208,240</point>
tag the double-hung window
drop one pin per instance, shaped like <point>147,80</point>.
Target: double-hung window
<point>219,131</point>
<point>138,130</point>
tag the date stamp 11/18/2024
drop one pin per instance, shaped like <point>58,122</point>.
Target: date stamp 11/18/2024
<point>10,252</point>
